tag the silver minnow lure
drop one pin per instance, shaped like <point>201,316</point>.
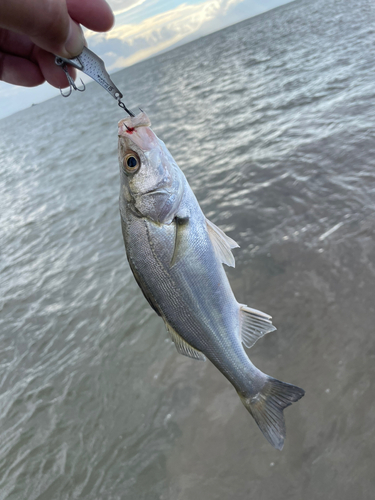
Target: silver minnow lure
<point>177,258</point>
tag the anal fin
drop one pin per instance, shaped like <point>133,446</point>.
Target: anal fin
<point>182,346</point>
<point>254,325</point>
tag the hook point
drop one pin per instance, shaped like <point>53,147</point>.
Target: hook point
<point>83,89</point>
<point>69,91</point>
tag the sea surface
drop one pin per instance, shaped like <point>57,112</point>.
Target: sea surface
<point>273,122</point>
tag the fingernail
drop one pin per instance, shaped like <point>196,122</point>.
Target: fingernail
<point>75,42</point>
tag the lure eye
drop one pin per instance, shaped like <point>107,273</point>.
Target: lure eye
<point>131,162</point>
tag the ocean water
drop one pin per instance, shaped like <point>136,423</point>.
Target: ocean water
<point>273,122</point>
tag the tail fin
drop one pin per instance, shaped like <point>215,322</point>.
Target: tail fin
<point>267,408</point>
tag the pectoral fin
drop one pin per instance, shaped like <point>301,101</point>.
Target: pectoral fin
<point>182,346</point>
<point>181,240</point>
<point>254,324</point>
<point>222,244</point>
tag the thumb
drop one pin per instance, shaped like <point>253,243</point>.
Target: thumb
<point>46,22</point>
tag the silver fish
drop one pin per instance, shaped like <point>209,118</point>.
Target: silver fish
<point>177,258</point>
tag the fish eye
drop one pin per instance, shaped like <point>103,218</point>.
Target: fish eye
<point>131,162</point>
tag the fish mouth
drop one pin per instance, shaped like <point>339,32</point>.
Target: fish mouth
<point>156,191</point>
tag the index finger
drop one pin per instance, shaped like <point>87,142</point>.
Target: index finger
<point>95,15</point>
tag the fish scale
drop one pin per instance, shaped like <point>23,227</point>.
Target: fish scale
<point>177,258</point>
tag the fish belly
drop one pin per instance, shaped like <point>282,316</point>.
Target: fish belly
<point>194,295</point>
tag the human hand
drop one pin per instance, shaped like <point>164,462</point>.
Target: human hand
<point>31,31</point>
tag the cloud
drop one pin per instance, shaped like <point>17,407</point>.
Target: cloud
<point>145,28</point>
<point>161,31</point>
<point>121,6</point>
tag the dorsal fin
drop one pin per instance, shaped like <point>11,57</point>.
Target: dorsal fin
<point>182,346</point>
<point>222,244</point>
<point>254,324</point>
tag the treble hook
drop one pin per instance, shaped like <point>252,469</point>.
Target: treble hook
<point>90,63</point>
<point>72,84</point>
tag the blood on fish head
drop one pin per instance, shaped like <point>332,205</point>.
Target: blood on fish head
<point>150,178</point>
<point>136,130</point>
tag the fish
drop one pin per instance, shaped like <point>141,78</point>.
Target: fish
<point>176,255</point>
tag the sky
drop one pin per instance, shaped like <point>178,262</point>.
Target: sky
<point>144,28</point>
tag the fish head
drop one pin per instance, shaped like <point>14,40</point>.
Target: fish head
<point>151,181</point>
